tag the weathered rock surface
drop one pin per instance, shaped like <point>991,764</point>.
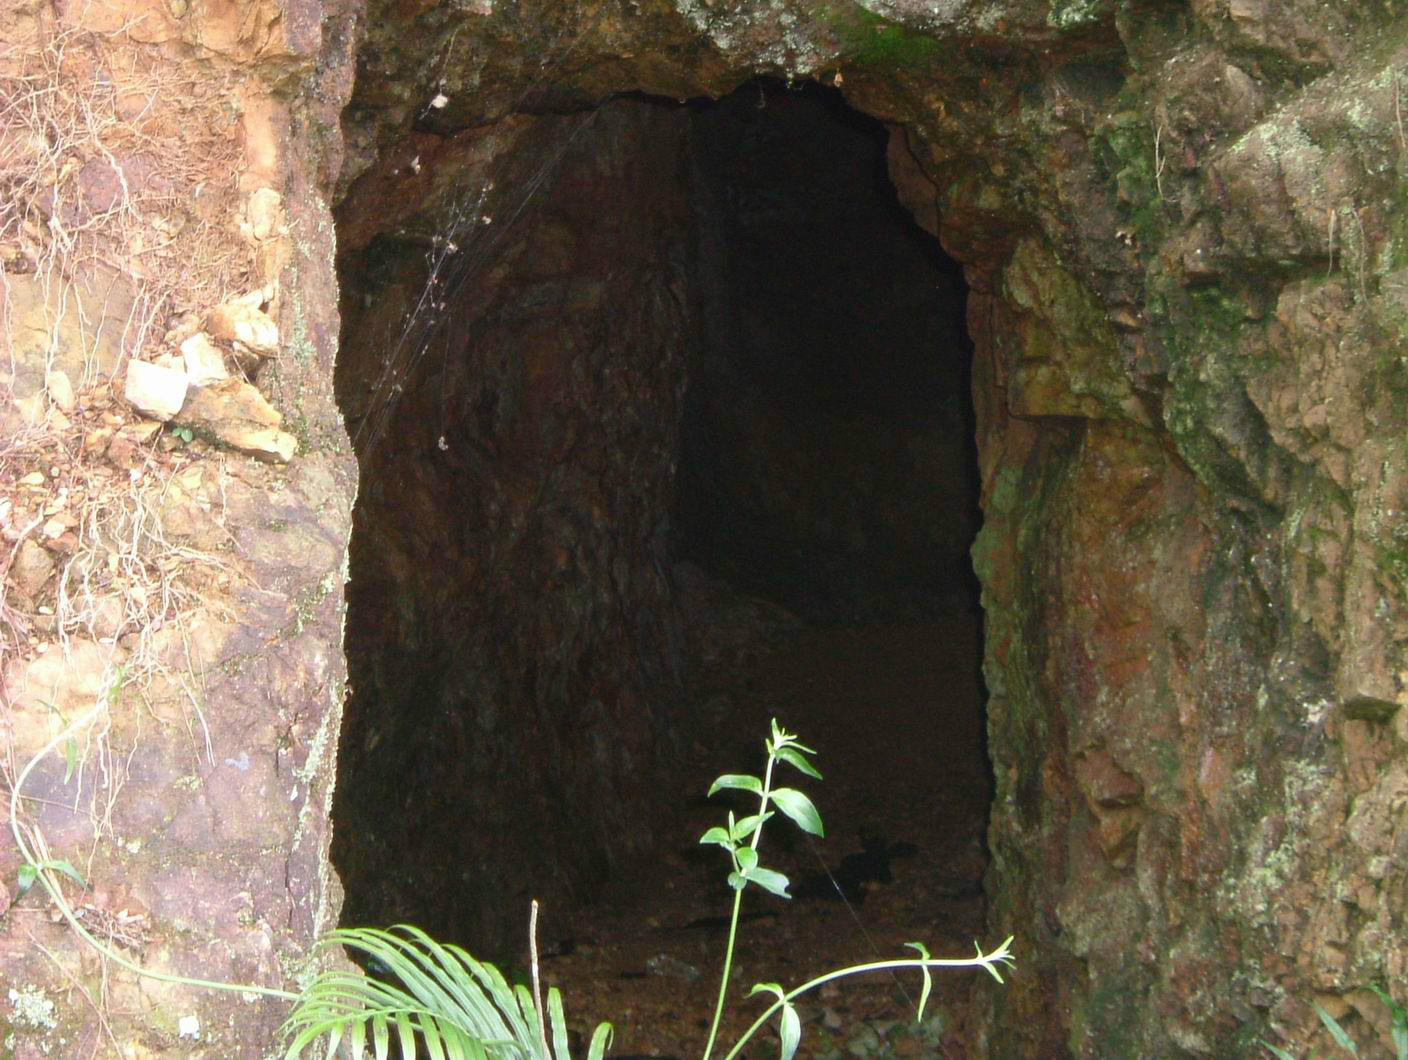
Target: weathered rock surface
<point>1183,240</point>
<point>204,362</point>
<point>155,390</point>
<point>235,414</point>
<point>195,598</point>
<point>248,325</point>
<point>508,627</point>
<point>1184,233</point>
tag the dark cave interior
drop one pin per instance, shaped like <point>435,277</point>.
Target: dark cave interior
<point>675,438</point>
<point>826,450</point>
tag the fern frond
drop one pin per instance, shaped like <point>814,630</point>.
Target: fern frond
<point>440,1003</point>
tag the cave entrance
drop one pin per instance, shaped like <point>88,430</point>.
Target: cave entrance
<point>664,426</point>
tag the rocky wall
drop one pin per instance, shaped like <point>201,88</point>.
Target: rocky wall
<point>1181,226</point>
<point>512,378</point>
<point>175,498</point>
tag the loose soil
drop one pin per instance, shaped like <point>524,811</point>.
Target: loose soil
<point>895,715</point>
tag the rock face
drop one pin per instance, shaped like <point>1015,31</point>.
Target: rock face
<point>183,597</point>
<point>1183,236</point>
<point>517,435</point>
<point>1182,241</point>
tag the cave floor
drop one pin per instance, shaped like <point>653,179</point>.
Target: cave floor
<point>895,715</point>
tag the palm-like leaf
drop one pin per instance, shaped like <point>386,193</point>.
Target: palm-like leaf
<point>444,1005</point>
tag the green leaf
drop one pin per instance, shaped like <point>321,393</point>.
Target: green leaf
<point>1400,1023</point>
<point>790,1031</point>
<point>718,836</point>
<point>794,759</point>
<point>746,827</point>
<point>405,1032</point>
<point>29,873</point>
<point>774,882</point>
<point>601,1041</point>
<point>737,782</point>
<point>928,978</point>
<point>747,859</point>
<point>434,1043</point>
<point>769,988</point>
<point>70,758</point>
<point>1278,1052</point>
<point>68,870</point>
<point>436,994</point>
<point>798,807</point>
<point>558,1021</point>
<point>1343,1040</point>
<point>737,881</point>
<point>782,738</point>
<point>380,1038</point>
<point>1002,957</point>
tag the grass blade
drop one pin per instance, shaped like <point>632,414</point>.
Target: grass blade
<point>928,979</point>
<point>601,1041</point>
<point>559,1024</point>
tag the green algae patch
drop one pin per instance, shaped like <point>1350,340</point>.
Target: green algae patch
<point>875,42</point>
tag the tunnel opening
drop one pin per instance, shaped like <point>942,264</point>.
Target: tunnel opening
<point>664,426</point>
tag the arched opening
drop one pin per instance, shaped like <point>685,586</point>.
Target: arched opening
<point>664,425</point>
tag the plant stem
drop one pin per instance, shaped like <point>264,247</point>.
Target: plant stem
<point>981,961</point>
<point>728,967</point>
<point>733,919</point>
<point>537,984</point>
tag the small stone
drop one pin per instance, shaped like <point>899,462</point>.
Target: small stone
<point>235,414</point>
<point>31,569</point>
<point>61,391</point>
<point>251,327</point>
<point>96,441</point>
<point>180,328</point>
<point>205,364</point>
<point>65,542</point>
<point>107,615</point>
<point>155,391</point>
<point>139,433</point>
<point>123,449</point>
<point>32,409</point>
<point>265,213</point>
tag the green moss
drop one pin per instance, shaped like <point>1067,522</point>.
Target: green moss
<point>870,40</point>
<point>1127,150</point>
<point>1108,1016</point>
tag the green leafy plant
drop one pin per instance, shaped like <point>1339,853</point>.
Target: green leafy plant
<point>435,1000</point>
<point>741,838</point>
<point>442,998</point>
<point>1399,1031</point>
